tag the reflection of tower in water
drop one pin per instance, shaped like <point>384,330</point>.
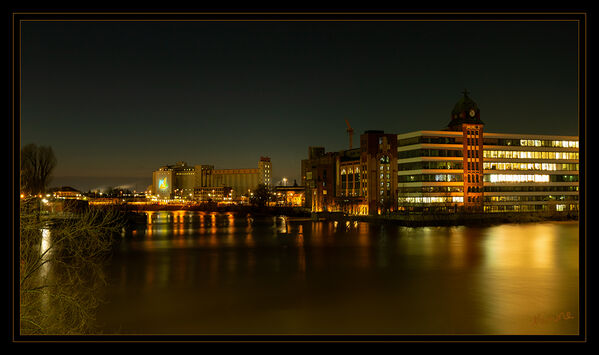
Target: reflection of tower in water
<point>249,238</point>
<point>301,254</point>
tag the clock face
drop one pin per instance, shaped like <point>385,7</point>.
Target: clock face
<point>472,113</point>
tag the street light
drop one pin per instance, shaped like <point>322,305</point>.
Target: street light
<point>284,181</point>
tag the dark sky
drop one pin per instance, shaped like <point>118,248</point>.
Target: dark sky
<point>117,100</point>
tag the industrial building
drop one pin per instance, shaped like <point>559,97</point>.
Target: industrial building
<point>239,181</point>
<point>205,183</point>
<point>356,181</point>
<point>174,181</point>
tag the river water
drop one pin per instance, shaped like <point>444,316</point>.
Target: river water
<point>221,273</point>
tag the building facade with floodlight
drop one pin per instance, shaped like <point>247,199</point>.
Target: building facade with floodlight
<point>174,181</point>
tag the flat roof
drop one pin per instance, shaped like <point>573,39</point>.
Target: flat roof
<point>485,134</point>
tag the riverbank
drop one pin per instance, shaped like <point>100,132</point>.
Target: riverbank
<point>253,210</point>
<point>134,215</point>
<point>451,219</point>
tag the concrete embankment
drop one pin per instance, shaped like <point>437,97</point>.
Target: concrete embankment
<point>137,216</point>
<point>453,219</point>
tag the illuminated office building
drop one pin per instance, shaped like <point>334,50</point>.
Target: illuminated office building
<point>465,168</point>
<point>460,168</point>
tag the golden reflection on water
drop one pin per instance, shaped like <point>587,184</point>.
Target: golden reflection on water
<point>457,250</point>
<point>213,223</point>
<point>301,254</point>
<point>507,279</point>
<point>526,281</point>
<point>282,222</point>
<point>316,235</point>
<point>516,247</point>
<point>231,223</point>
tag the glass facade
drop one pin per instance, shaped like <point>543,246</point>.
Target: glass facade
<point>531,174</point>
<point>519,154</point>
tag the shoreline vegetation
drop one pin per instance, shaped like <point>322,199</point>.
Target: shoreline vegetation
<point>402,219</point>
<point>61,267</point>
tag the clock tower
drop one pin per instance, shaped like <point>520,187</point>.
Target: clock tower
<point>464,111</point>
<point>465,117</point>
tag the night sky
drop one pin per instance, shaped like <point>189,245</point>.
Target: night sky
<point>117,100</point>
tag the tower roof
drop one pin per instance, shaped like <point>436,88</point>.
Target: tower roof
<point>464,111</point>
<point>464,104</point>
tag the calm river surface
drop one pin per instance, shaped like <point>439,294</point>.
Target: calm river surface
<point>221,273</point>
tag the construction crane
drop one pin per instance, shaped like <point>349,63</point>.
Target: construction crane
<point>350,132</point>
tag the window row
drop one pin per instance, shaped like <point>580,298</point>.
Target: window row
<point>516,208</point>
<point>429,153</point>
<point>473,141</point>
<point>547,143</point>
<point>498,178</point>
<point>474,178</point>
<point>531,198</point>
<point>430,165</point>
<point>473,153</point>
<point>542,188</point>
<point>430,178</point>
<point>490,141</point>
<point>425,139</point>
<point>474,198</point>
<point>517,154</point>
<point>529,166</point>
<point>431,199</point>
<point>350,177</point>
<point>350,170</point>
<point>531,142</point>
<point>345,185</point>
<point>474,166</point>
<point>429,189</point>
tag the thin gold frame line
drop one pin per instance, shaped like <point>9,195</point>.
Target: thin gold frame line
<point>299,20</point>
<point>315,13</point>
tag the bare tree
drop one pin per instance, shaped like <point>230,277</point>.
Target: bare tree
<point>37,164</point>
<point>61,274</point>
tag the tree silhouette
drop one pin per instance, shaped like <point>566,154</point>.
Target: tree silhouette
<point>37,164</point>
<point>261,196</point>
<point>61,274</point>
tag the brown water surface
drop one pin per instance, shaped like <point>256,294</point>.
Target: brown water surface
<point>219,273</point>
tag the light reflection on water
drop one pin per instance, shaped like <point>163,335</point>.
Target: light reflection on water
<point>211,273</point>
